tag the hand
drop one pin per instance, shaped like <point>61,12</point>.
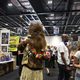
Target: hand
<point>47,55</point>
<point>68,68</point>
<point>38,56</point>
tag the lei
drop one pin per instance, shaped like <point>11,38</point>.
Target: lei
<point>41,54</point>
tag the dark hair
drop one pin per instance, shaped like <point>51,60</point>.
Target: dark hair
<point>64,37</point>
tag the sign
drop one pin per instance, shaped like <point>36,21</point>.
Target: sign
<point>56,30</point>
<point>14,41</point>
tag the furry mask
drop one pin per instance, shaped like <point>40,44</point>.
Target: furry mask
<point>37,36</point>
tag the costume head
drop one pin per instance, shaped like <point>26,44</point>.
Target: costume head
<point>65,37</point>
<point>37,35</point>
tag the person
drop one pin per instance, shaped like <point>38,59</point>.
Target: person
<point>20,56</point>
<point>54,56</point>
<point>63,59</point>
<point>34,53</point>
<point>48,61</point>
<point>76,62</point>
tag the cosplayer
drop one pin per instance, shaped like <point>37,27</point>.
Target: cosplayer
<point>34,53</point>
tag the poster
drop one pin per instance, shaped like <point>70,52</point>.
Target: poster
<point>56,30</point>
<point>4,48</point>
<point>5,38</point>
<point>14,41</point>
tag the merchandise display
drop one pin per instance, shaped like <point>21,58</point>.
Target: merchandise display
<point>4,40</point>
<point>14,41</point>
<point>7,63</point>
<point>4,57</point>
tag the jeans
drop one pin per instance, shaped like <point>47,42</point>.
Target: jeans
<point>64,74</point>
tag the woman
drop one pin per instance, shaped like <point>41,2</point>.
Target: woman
<point>34,53</point>
<point>77,63</point>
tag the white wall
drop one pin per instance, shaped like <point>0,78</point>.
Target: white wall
<point>53,40</point>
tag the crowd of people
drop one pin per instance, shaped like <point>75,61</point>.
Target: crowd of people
<point>35,53</point>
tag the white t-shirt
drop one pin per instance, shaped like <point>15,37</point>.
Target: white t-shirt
<point>63,48</point>
<point>77,54</point>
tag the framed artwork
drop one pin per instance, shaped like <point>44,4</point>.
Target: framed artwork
<point>4,48</point>
<point>5,38</point>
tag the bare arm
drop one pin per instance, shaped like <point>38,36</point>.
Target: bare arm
<point>63,58</point>
<point>76,62</point>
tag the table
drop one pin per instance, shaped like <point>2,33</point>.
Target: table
<point>6,67</point>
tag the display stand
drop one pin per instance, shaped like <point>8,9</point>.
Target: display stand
<point>6,67</point>
<point>6,62</point>
<point>4,40</point>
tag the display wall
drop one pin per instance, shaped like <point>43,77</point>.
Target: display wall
<point>4,40</point>
<point>53,40</point>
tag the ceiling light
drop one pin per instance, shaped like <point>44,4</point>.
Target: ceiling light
<point>26,3</point>
<point>51,14</point>
<point>76,31</point>
<point>6,24</point>
<point>78,27</point>
<point>25,29</point>
<point>29,10</point>
<point>33,11</point>
<point>10,4</point>
<point>53,21</point>
<point>14,28</point>
<point>46,17</point>
<point>50,17</point>
<point>28,6</point>
<point>73,30</point>
<point>28,23</point>
<point>50,2</point>
<point>21,16</point>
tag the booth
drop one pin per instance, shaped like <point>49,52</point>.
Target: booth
<point>6,59</point>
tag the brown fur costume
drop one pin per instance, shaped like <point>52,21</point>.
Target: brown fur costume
<point>37,36</point>
<point>32,66</point>
<point>36,39</point>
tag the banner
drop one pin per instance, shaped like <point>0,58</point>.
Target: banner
<point>14,41</point>
<point>56,30</point>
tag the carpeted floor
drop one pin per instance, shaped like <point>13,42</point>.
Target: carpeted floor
<point>14,75</point>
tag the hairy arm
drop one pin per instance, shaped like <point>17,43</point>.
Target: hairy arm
<point>23,44</point>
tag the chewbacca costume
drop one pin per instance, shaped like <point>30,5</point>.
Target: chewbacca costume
<point>34,53</point>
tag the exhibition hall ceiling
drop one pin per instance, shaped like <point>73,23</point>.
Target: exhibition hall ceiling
<point>57,16</point>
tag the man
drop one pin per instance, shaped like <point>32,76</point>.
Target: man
<point>63,59</point>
